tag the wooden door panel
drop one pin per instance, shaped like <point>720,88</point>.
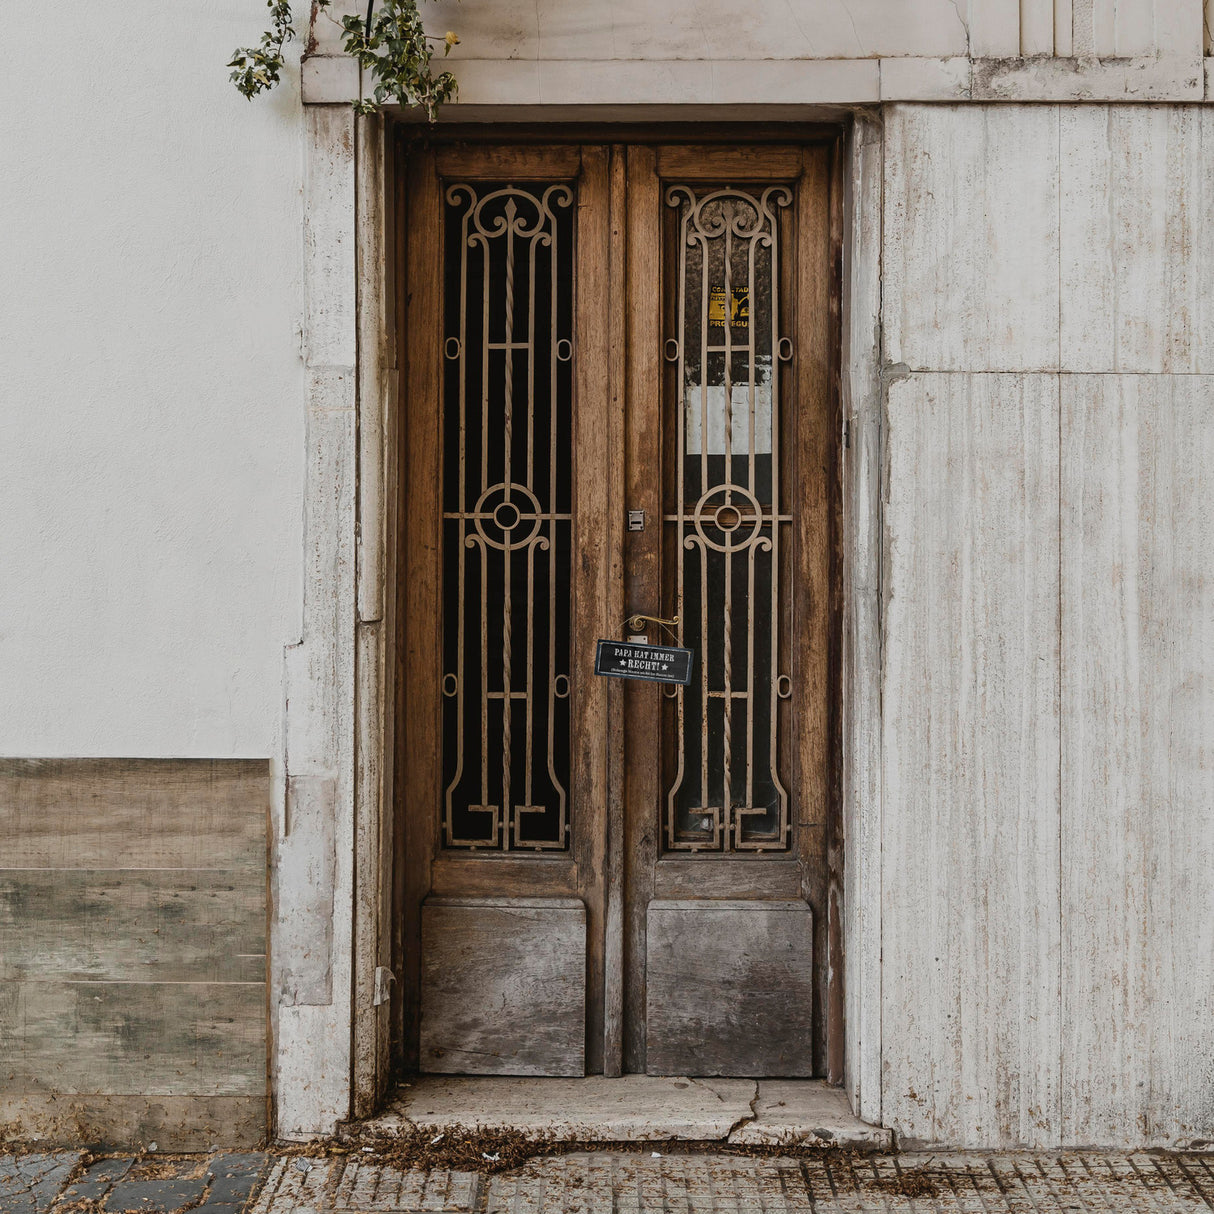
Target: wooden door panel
<point>503,986</point>
<point>507,556</point>
<point>749,826</point>
<point>643,472</point>
<point>730,987</point>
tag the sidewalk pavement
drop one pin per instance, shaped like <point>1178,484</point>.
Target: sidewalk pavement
<point>614,1182</point>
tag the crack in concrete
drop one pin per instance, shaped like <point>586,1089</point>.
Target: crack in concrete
<point>741,1121</point>
<point>965,26</point>
<point>700,1083</point>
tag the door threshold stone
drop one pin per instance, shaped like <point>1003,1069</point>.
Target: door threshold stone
<point>633,1108</point>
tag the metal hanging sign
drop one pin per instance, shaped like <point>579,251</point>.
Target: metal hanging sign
<point>652,663</point>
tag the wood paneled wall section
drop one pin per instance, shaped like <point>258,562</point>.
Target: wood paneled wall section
<point>133,950</point>
<point>1047,676</point>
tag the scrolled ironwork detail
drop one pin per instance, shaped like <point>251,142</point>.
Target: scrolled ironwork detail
<point>507,519</point>
<point>724,790</point>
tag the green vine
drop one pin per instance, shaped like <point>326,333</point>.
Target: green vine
<point>389,44</point>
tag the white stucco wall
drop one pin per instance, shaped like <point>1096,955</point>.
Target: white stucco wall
<point>151,424</point>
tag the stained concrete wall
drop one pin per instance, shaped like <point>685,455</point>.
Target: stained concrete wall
<point>712,53</point>
<point>1047,840</point>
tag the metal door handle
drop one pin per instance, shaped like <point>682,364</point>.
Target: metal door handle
<point>637,622</point>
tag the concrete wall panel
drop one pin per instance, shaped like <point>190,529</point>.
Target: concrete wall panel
<point>970,263</point>
<point>705,29</point>
<point>1137,766</point>
<point>1047,848</point>
<point>1137,208</point>
<point>969,919</point>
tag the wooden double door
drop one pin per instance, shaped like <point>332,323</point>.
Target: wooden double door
<point>618,421</point>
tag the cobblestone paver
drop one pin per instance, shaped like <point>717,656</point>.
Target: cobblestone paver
<point>159,1188</point>
<point>96,1180</point>
<point>30,1183</point>
<point>61,1183</point>
<point>232,1179</point>
<point>606,1183</point>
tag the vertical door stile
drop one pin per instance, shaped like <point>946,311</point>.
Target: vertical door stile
<point>644,472</point>
<point>591,590</point>
<point>613,472</point>
<point>421,651</point>
<point>813,634</point>
<point>833,468</point>
<point>398,671</point>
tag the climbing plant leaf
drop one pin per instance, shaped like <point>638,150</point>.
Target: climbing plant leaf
<point>389,44</point>
<point>257,68</point>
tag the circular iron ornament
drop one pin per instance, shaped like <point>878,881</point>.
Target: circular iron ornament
<point>727,517</point>
<point>560,687</point>
<point>450,685</point>
<point>672,349</point>
<point>784,687</point>
<point>741,529</point>
<point>501,511</point>
<point>784,349</point>
<point>507,515</point>
<point>564,350</point>
<point>452,347</point>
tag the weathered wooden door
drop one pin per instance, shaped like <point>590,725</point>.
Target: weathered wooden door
<point>617,403</point>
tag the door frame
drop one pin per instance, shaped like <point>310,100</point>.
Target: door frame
<point>623,169</point>
<point>334,827</point>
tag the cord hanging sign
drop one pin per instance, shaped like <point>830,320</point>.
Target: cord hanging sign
<point>635,658</point>
<point>653,663</point>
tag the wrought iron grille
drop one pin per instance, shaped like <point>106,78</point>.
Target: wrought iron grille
<point>507,516</point>
<point>726,527</point>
